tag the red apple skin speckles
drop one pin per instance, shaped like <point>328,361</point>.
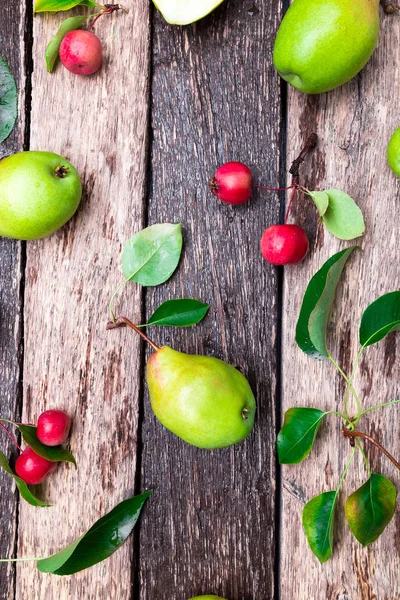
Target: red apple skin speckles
<point>32,468</point>
<point>81,52</point>
<point>284,244</point>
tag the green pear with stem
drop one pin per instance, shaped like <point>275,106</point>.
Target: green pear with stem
<point>322,44</point>
<point>39,192</point>
<point>393,152</point>
<point>183,12</point>
<point>201,399</point>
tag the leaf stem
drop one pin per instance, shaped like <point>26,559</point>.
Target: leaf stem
<point>4,560</point>
<point>110,306</point>
<point>361,449</point>
<point>10,436</point>
<point>346,396</point>
<point>345,471</point>
<point>364,412</point>
<point>354,434</point>
<point>350,386</point>
<point>123,321</point>
<point>339,414</point>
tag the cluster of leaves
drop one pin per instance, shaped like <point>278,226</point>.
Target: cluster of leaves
<point>8,100</point>
<point>51,453</point>
<point>149,258</point>
<point>339,213</point>
<point>370,508</point>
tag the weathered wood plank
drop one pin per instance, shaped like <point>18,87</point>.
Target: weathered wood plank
<point>354,124</point>
<point>100,123</point>
<point>210,526</point>
<point>12,47</point>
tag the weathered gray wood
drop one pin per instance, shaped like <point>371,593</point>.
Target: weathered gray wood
<point>354,124</point>
<point>71,362</point>
<point>12,47</point>
<point>210,525</point>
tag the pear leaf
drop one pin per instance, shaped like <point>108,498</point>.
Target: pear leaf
<point>23,488</point>
<point>53,46</point>
<point>318,516</point>
<point>317,304</point>
<point>179,313</point>
<point>8,100</point>
<point>52,453</point>
<point>321,200</point>
<point>343,218</point>
<point>99,542</point>
<point>58,5</point>
<point>370,508</point>
<point>152,255</point>
<point>380,318</point>
<point>296,438</point>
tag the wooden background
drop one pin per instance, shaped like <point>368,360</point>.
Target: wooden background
<point>169,105</point>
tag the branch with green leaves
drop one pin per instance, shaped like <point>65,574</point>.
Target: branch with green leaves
<point>371,507</point>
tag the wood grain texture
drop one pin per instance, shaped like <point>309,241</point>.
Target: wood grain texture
<point>12,47</point>
<point>210,525</point>
<point>354,124</point>
<point>100,123</point>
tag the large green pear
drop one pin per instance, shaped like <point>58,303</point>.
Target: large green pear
<point>201,399</point>
<point>393,152</point>
<point>206,598</point>
<point>183,12</point>
<point>39,192</point>
<point>321,44</point>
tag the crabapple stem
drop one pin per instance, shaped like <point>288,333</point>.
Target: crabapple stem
<point>290,203</point>
<point>108,9</point>
<point>123,322</point>
<point>11,437</point>
<point>354,434</point>
<point>270,189</point>
<point>309,146</point>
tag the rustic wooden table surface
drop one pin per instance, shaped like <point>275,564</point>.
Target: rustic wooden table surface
<point>169,105</point>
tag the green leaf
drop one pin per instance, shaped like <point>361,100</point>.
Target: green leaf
<point>318,516</point>
<point>58,5</point>
<point>321,200</point>
<point>97,544</point>
<point>297,435</point>
<point>8,100</point>
<point>380,318</point>
<point>23,489</point>
<point>371,508</point>
<point>343,218</point>
<point>317,304</point>
<point>53,46</point>
<point>152,255</point>
<point>52,453</point>
<point>179,313</point>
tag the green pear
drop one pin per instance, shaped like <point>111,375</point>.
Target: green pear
<point>206,598</point>
<point>183,12</point>
<point>393,152</point>
<point>321,44</point>
<point>201,399</point>
<point>39,192</point>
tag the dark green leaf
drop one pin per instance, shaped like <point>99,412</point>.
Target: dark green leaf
<point>8,100</point>
<point>380,318</point>
<point>371,508</point>
<point>58,5</point>
<point>318,516</point>
<point>179,313</point>
<point>321,200</point>
<point>52,453</point>
<point>317,304</point>
<point>343,218</point>
<point>297,435</point>
<point>102,540</point>
<point>21,485</point>
<point>152,255</point>
<point>53,46</point>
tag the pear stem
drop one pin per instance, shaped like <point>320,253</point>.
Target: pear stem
<point>354,434</point>
<point>123,322</point>
<point>389,7</point>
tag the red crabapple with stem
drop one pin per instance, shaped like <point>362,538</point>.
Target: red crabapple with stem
<point>32,468</point>
<point>280,244</point>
